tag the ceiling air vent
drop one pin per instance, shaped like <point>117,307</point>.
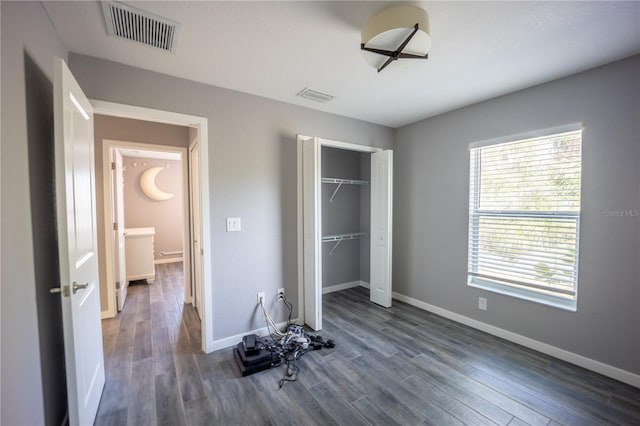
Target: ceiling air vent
<point>314,95</point>
<point>140,26</point>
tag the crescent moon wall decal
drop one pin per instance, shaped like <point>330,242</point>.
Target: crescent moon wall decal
<point>149,187</point>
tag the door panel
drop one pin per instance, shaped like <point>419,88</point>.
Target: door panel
<point>118,233</point>
<point>196,232</point>
<point>381,226</point>
<point>312,253</point>
<point>76,215</point>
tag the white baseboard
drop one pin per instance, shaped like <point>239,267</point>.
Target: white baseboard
<point>344,286</point>
<point>234,340</point>
<point>573,358</point>
<point>170,260</point>
<point>106,314</point>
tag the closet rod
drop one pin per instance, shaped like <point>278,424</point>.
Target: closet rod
<point>341,182</point>
<point>341,237</point>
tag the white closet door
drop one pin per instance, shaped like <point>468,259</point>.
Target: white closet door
<point>312,267</point>
<point>381,226</point>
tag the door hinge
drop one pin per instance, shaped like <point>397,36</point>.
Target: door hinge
<point>64,290</point>
<point>115,226</point>
<point>113,165</point>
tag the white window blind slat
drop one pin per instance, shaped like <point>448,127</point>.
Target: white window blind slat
<point>499,257</point>
<point>524,214</point>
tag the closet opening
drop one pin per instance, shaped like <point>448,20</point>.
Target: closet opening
<point>344,222</point>
<point>346,210</point>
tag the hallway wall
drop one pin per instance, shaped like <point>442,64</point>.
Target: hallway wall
<point>165,216</point>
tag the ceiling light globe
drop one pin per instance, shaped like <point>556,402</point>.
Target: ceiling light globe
<point>389,28</point>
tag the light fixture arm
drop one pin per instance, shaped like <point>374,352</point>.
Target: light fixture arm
<point>378,51</point>
<point>394,55</point>
<point>416,27</point>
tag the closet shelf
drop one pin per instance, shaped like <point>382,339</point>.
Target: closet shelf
<point>341,182</point>
<point>345,181</point>
<point>338,238</point>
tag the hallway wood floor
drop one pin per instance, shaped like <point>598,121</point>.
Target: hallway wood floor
<point>391,366</point>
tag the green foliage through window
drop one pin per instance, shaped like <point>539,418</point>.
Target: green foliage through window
<point>524,213</point>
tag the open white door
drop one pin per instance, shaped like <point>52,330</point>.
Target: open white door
<point>119,265</point>
<point>312,252</point>
<point>196,231</point>
<point>77,245</point>
<point>381,226</point>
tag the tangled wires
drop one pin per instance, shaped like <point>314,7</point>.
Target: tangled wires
<point>291,344</point>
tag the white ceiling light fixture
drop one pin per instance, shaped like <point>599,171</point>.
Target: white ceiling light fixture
<point>400,32</point>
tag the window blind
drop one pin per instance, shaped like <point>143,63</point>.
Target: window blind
<point>524,214</point>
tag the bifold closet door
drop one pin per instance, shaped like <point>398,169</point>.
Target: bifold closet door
<point>312,251</point>
<point>381,227</point>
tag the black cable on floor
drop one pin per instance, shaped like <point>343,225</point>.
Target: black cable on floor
<point>290,345</point>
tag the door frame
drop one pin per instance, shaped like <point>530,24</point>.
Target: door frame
<point>116,192</point>
<point>200,124</point>
<point>323,143</point>
<point>108,146</point>
<point>194,217</point>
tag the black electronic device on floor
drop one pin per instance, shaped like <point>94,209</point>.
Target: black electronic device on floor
<point>250,344</point>
<point>252,358</point>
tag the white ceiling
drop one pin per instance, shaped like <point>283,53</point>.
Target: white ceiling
<point>480,49</point>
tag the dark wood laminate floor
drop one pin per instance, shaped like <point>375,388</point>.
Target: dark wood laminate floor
<point>391,366</point>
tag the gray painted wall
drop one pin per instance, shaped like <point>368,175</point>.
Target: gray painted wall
<point>252,175</point>
<point>32,387</point>
<point>431,211</point>
<point>139,131</point>
<point>127,130</point>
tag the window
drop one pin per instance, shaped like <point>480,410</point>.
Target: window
<point>524,218</point>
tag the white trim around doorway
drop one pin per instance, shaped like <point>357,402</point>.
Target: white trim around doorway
<point>328,143</point>
<point>201,126</point>
<point>107,146</point>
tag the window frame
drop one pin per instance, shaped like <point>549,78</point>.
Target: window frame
<point>514,290</point>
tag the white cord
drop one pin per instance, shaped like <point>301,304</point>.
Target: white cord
<point>270,321</point>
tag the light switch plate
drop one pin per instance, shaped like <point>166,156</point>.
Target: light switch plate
<point>234,224</point>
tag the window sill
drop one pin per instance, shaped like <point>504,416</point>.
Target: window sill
<point>531,296</point>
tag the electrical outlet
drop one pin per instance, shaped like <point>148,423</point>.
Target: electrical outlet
<point>261,297</point>
<point>482,303</point>
<point>280,294</point>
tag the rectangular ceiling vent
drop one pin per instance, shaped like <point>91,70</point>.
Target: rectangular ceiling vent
<point>314,95</point>
<point>140,26</point>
